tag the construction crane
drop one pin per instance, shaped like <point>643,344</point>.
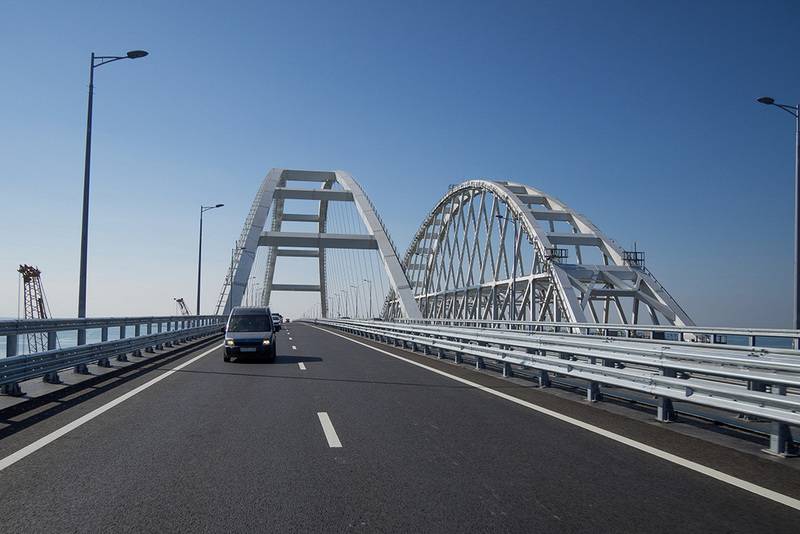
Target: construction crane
<point>35,305</point>
<point>182,306</point>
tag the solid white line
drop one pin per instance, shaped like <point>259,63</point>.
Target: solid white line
<point>683,462</point>
<point>294,348</point>
<point>51,437</point>
<point>302,366</point>
<point>330,432</point>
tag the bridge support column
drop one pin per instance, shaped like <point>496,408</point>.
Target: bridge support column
<point>780,435</point>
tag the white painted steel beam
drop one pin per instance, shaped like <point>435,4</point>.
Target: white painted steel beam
<point>297,252</point>
<point>295,287</point>
<point>313,194</point>
<point>308,239</point>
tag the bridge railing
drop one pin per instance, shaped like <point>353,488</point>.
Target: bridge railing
<point>756,382</point>
<point>148,334</point>
<point>749,337</point>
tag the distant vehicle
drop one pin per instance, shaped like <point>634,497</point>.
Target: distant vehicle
<point>250,331</point>
<point>277,319</point>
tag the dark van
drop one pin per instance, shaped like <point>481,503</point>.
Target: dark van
<point>250,332</point>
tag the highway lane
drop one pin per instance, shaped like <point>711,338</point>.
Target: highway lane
<point>241,446</point>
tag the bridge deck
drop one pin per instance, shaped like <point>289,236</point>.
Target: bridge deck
<point>240,447</point>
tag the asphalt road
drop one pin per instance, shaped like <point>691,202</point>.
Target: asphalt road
<point>240,447</point>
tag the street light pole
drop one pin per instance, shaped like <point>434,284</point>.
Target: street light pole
<point>370,297</point>
<point>95,62</point>
<point>203,209</point>
<point>795,112</point>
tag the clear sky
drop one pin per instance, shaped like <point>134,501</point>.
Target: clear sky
<point>639,114</point>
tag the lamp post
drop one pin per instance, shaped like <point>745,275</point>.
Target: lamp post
<point>203,209</point>
<point>795,112</point>
<point>356,310</point>
<point>370,297</point>
<point>95,62</point>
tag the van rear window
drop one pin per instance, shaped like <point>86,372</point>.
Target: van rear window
<point>250,323</point>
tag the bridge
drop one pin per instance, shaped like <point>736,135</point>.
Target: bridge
<point>516,370</point>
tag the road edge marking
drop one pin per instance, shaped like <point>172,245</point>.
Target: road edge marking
<point>29,449</point>
<point>330,432</point>
<point>673,458</point>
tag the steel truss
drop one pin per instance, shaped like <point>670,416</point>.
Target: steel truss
<point>271,195</point>
<point>506,251</point>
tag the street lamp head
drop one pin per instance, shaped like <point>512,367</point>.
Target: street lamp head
<point>219,205</point>
<point>766,100</point>
<point>135,54</point>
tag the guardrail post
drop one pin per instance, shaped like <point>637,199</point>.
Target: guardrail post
<point>544,379</point>
<point>104,334</point>
<point>593,392</point>
<point>780,435</point>
<point>51,378</point>
<point>52,340</point>
<point>507,371</point>
<point>665,412</point>
<point>440,354</point>
<point>122,332</point>
<point>149,328</point>
<point>11,345</point>
<point>458,357</point>
<point>479,363</point>
<point>137,330</point>
<point>12,389</point>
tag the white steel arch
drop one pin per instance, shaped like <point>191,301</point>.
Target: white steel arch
<point>271,196</point>
<point>501,250</point>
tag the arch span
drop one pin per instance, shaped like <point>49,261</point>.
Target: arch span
<point>272,193</point>
<point>503,250</point>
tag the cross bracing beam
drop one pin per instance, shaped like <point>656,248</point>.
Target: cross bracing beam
<point>295,287</point>
<point>313,194</point>
<point>323,240</point>
<point>297,252</point>
<point>300,217</point>
<point>270,198</point>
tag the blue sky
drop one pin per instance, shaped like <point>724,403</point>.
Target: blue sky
<point>641,115</point>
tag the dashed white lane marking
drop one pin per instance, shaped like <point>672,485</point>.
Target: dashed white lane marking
<point>294,348</point>
<point>330,432</point>
<point>290,339</point>
<point>683,462</point>
<point>302,366</point>
<point>52,436</point>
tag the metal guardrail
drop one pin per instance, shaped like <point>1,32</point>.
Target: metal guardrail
<point>170,330</point>
<point>13,330</point>
<point>689,334</point>
<point>743,380</point>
